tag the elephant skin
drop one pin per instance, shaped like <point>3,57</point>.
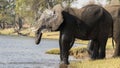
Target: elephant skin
<point>78,25</point>
<point>114,10</point>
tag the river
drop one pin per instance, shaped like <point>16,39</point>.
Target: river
<point>22,52</point>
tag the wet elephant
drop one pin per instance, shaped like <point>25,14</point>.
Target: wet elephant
<point>91,22</point>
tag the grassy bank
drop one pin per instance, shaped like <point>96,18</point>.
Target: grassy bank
<point>7,31</point>
<point>11,31</point>
<point>29,32</point>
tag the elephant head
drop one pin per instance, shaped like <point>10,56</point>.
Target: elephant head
<point>50,20</point>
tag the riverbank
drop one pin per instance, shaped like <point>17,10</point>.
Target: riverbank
<point>30,33</point>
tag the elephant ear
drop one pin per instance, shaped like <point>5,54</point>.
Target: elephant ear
<point>51,18</point>
<point>59,18</point>
<point>43,19</point>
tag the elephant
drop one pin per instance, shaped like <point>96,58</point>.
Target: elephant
<point>114,10</point>
<point>91,22</point>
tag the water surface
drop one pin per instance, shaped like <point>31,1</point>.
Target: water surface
<point>22,52</point>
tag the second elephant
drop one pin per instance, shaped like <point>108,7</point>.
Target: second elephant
<point>114,10</point>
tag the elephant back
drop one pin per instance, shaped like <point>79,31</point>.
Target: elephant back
<point>89,14</point>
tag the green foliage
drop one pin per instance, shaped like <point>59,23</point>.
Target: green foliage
<point>23,7</point>
<point>6,10</point>
<point>28,9</point>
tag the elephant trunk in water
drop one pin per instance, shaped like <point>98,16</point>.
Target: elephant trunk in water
<point>38,35</point>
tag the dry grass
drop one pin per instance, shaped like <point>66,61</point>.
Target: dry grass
<point>7,31</point>
<point>51,35</point>
<point>105,63</point>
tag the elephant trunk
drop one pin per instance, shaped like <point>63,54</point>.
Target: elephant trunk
<point>38,38</point>
<point>38,35</point>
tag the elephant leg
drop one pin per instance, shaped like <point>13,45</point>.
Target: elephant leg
<point>95,49</point>
<point>116,36</point>
<point>60,46</point>
<point>90,47</point>
<point>66,42</point>
<point>102,38</point>
<point>102,43</point>
<point>117,48</point>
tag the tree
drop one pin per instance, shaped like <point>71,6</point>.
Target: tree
<point>32,9</point>
<point>6,12</point>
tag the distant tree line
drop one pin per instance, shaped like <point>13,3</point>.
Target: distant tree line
<point>15,13</point>
<point>31,9</point>
<point>8,15</point>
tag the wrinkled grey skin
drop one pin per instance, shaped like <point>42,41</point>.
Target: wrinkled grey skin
<point>91,22</point>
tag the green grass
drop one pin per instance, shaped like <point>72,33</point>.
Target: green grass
<point>53,51</point>
<point>72,51</point>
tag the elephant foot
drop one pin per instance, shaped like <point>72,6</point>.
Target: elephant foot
<point>101,57</point>
<point>64,62</point>
<point>94,56</point>
<point>62,65</point>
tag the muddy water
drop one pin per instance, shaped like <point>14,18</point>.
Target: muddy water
<point>21,52</point>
